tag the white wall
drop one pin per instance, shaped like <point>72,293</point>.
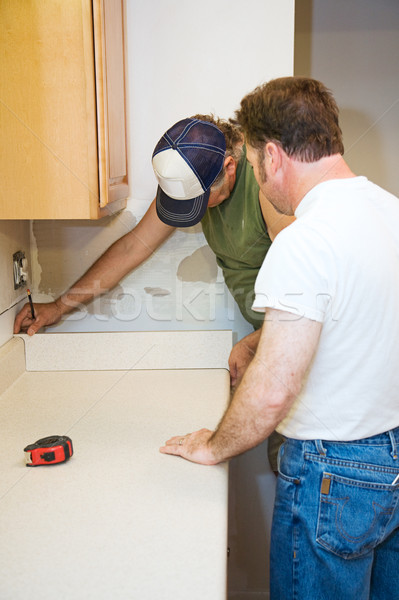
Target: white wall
<point>353,47</point>
<point>187,57</point>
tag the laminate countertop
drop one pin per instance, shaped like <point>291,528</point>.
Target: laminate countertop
<point>117,520</point>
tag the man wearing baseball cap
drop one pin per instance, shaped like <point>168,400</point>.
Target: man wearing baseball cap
<point>202,173</point>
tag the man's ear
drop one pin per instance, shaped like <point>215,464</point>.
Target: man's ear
<point>230,165</point>
<point>273,156</point>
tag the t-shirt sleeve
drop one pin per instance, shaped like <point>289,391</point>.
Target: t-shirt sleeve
<point>297,275</point>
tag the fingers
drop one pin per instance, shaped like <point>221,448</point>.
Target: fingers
<point>177,439</point>
<point>174,445</point>
<point>24,313</point>
<point>233,371</point>
<point>175,450</point>
<point>45,314</point>
<point>192,446</point>
<point>233,378</point>
<point>34,327</point>
<point>24,322</point>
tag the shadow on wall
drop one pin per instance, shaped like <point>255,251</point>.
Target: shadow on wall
<point>251,499</point>
<point>364,147</point>
<point>199,266</point>
<point>353,47</point>
<point>303,38</point>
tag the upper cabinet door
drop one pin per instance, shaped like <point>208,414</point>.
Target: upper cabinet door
<point>63,151</point>
<point>109,50</point>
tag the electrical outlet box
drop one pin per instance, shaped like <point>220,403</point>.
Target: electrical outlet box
<point>20,265</point>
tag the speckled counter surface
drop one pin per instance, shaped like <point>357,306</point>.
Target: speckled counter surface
<point>118,520</point>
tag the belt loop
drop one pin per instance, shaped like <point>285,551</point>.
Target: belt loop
<point>394,452</point>
<point>320,448</point>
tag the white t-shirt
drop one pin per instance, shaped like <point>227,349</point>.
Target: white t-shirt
<point>338,263</point>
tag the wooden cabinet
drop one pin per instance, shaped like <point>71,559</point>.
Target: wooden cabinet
<point>63,151</point>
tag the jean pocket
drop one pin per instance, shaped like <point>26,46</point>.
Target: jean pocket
<point>283,465</point>
<point>354,516</point>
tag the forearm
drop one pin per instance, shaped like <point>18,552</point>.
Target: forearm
<point>271,384</point>
<point>102,276</point>
<point>123,256</point>
<point>258,406</point>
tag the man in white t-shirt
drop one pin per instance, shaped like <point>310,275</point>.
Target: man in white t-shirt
<point>326,371</point>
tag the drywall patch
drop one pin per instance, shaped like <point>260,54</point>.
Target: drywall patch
<point>199,266</point>
<point>66,249</point>
<point>157,291</point>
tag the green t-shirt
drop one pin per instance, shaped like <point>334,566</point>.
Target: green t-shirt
<point>236,232</point>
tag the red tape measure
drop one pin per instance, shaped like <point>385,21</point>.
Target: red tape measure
<point>48,451</point>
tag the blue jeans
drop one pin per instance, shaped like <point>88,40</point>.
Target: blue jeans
<point>335,532</point>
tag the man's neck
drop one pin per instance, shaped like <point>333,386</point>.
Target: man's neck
<point>305,176</point>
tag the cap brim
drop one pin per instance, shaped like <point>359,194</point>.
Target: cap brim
<point>181,213</point>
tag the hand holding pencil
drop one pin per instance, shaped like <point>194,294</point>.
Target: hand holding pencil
<point>31,317</point>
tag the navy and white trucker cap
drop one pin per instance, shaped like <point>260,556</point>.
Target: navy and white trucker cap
<point>186,162</point>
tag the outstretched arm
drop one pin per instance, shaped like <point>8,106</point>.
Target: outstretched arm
<point>122,257</point>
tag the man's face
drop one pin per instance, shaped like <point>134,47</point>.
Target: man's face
<point>257,163</point>
<point>267,183</point>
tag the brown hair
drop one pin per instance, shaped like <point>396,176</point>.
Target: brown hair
<point>298,113</point>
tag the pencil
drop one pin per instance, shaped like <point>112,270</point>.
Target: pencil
<point>32,310</point>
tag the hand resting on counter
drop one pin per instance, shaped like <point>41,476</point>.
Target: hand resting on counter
<point>194,447</point>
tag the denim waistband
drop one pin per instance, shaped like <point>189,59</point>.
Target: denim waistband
<point>388,438</point>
